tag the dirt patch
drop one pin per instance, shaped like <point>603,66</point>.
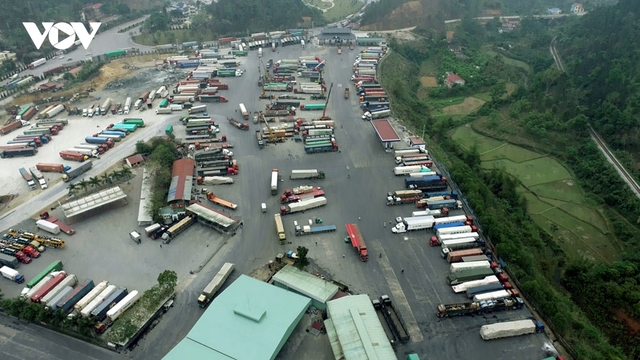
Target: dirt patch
<point>469,105</point>
<point>631,324</point>
<point>429,81</point>
<point>120,68</point>
<point>450,35</point>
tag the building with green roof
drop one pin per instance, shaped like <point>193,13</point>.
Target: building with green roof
<point>355,331</point>
<point>303,283</point>
<point>250,320</point>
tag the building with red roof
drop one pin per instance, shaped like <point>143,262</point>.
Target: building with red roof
<point>181,180</point>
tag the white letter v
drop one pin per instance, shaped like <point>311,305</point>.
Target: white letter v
<point>34,32</point>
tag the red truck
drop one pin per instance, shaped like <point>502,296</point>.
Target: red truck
<point>33,253</point>
<point>48,287</point>
<point>13,147</point>
<point>10,127</point>
<point>29,114</point>
<point>63,227</point>
<point>357,241</point>
<point>289,196</point>
<point>217,84</point>
<point>59,168</point>
<point>71,155</point>
<point>22,257</point>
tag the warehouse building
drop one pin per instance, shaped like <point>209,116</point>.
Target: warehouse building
<point>336,36</point>
<point>181,181</point>
<point>355,331</point>
<point>250,320</point>
<point>303,283</point>
<point>91,204</point>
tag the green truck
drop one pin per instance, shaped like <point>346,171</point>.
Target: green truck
<point>164,103</point>
<point>239,53</point>
<point>312,107</point>
<point>468,275</point>
<point>54,266</point>
<point>112,54</point>
<point>138,122</point>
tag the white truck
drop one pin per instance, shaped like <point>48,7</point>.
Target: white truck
<point>86,312</point>
<point>126,108</point>
<point>493,295</point>
<point>175,107</point>
<point>54,111</point>
<point>274,182</point>
<point>460,288</point>
<point>433,213</point>
<point>306,174</point>
<point>375,114</point>
<point>216,283</point>
<point>413,223</point>
<point>406,170</point>
<point>303,205</point>
<point>70,280</point>
<point>11,274</point>
<point>510,328</point>
<point>216,180</point>
<point>137,104</point>
<point>82,303</point>
<point>420,175</point>
<point>38,175</point>
<point>454,230</point>
<point>48,227</point>
<point>455,267</point>
<point>105,107</point>
<point>400,152</point>
<point>164,110</point>
<point>123,305</point>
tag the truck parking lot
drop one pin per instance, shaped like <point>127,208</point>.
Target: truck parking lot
<point>357,181</point>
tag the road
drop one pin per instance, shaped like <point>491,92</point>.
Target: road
<point>554,53</point>
<point>515,17</point>
<point>624,174</point>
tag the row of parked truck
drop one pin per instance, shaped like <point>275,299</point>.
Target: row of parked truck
<point>34,137</point>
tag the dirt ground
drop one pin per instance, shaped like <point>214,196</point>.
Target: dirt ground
<point>121,68</point>
<point>429,81</point>
<point>469,105</point>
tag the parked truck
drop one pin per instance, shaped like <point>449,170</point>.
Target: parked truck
<point>311,230</point>
<point>510,329</point>
<point>99,299</point>
<point>59,168</point>
<point>75,172</point>
<point>11,274</point>
<point>24,151</point>
<point>282,236</point>
<point>306,204</point>
<point>123,305</point>
<point>38,176</point>
<point>28,178</point>
<point>44,290</point>
<point>468,275</point>
<point>244,112</point>
<point>90,296</point>
<point>63,227</point>
<point>357,241</point>
<point>216,200</point>
<point>482,307</point>
<point>403,197</point>
<point>406,170</point>
<point>216,283</point>
<point>461,266</point>
<point>177,228</point>
<point>69,280</point>
<point>66,303</point>
<point>487,288</point>
<point>53,303</point>
<point>393,318</point>
<point>8,261</point>
<point>413,223</point>
<point>214,180</point>
<point>73,156</point>
<point>289,196</point>
<point>238,124</point>
<point>456,256</point>
<point>274,182</point>
<point>101,310</point>
<point>48,226</point>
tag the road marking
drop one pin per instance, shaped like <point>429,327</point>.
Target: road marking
<point>399,299</point>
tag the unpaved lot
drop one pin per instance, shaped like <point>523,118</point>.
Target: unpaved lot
<point>429,81</point>
<point>469,105</point>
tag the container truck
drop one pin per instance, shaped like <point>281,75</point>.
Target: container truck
<point>455,256</point>
<point>306,174</point>
<point>288,196</point>
<point>406,170</point>
<point>90,296</point>
<point>37,63</point>
<point>66,303</point>
<point>216,284</point>
<point>282,236</point>
<point>495,295</point>
<point>487,288</point>
<point>11,274</point>
<point>427,183</point>
<point>48,227</point>
<point>214,180</point>
<point>393,318</point>
<point>274,182</point>
<point>306,204</point>
<point>8,261</point>
<point>510,329</point>
<point>37,297</point>
<point>459,242</point>
<point>69,280</point>
<point>63,227</point>
<point>10,127</point>
<point>450,204</point>
<point>26,151</point>
<point>212,98</point>
<point>177,228</point>
<point>461,266</point>
<point>413,223</point>
<point>310,230</point>
<point>126,108</point>
<point>28,178</point>
<point>28,292</point>
<point>114,313</point>
<point>73,155</point>
<point>475,258</point>
<point>357,241</point>
<point>99,299</point>
<point>137,122</point>
<point>38,176</point>
<point>75,172</point>
<point>163,111</point>
<point>455,230</point>
<point>244,112</point>
<point>216,200</point>
<point>198,109</point>
<point>468,275</point>
<point>483,307</point>
<point>104,108</point>
<point>101,310</point>
<point>53,303</point>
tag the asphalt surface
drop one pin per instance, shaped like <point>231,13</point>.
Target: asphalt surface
<point>359,199</point>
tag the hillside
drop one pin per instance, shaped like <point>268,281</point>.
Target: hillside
<point>394,14</point>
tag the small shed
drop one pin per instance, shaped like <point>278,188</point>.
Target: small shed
<point>75,70</point>
<point>135,160</point>
<point>303,283</point>
<point>47,87</point>
<point>416,141</point>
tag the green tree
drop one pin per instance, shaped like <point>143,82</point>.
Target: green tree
<point>72,188</point>
<point>302,261</point>
<point>157,22</point>
<point>106,179</point>
<point>498,91</point>
<point>94,181</point>
<point>143,148</point>
<point>83,184</point>
<point>168,278</point>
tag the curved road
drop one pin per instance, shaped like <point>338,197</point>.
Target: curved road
<point>59,190</point>
<point>555,55</point>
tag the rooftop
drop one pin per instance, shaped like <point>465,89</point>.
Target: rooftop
<point>385,131</point>
<point>181,180</point>
<point>306,284</point>
<point>212,215</point>
<point>257,319</point>
<point>94,201</point>
<point>355,331</point>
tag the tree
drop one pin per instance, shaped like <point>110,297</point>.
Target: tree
<point>143,148</point>
<point>498,91</point>
<point>549,77</point>
<point>168,278</point>
<point>302,257</point>
<point>83,184</point>
<point>125,172</point>
<point>157,22</point>
<point>72,188</point>
<point>106,179</point>
<point>94,181</point>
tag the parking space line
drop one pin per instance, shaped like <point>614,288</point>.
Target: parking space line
<point>399,299</point>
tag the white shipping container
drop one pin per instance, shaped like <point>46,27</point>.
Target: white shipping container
<point>455,267</point>
<point>491,279</point>
<point>99,299</point>
<point>91,295</point>
<point>123,305</point>
<point>48,227</point>
<point>507,329</point>
<point>70,280</point>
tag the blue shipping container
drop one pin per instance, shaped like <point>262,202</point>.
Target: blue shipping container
<point>75,295</point>
<point>444,226</point>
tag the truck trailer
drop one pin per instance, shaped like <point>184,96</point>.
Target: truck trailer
<point>216,283</point>
<point>510,329</point>
<point>306,204</point>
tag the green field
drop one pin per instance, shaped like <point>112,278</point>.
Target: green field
<point>335,10</point>
<point>553,202</point>
<point>510,61</point>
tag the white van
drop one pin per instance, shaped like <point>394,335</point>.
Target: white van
<point>135,236</point>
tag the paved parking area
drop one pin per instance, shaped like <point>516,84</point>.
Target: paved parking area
<point>101,248</point>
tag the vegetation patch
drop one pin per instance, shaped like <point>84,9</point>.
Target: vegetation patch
<point>429,81</point>
<point>467,106</point>
<point>510,152</point>
<point>468,138</point>
<point>564,190</point>
<point>533,172</point>
<point>509,61</point>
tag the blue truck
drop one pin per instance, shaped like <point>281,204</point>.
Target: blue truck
<point>101,311</point>
<point>96,140</point>
<point>67,302</point>
<point>310,230</point>
<point>444,226</point>
<point>450,194</point>
<point>427,183</point>
<point>439,204</point>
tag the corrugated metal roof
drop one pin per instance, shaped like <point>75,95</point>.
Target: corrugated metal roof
<point>333,339</point>
<point>212,215</point>
<point>358,329</point>
<point>144,218</point>
<point>181,180</point>
<point>306,284</point>
<point>92,201</point>
<point>385,131</point>
<point>249,320</point>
